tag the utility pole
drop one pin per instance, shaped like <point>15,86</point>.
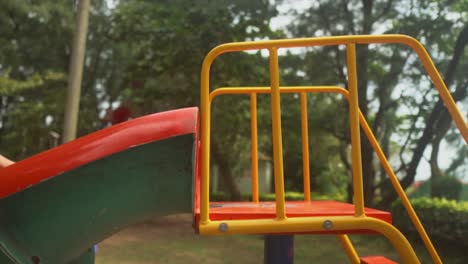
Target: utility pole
<point>76,72</point>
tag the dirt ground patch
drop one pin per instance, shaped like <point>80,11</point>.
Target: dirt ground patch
<point>172,239</point>
<point>176,225</point>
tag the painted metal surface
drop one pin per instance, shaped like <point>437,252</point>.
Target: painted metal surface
<point>254,146</point>
<point>316,224</point>
<point>305,145</point>
<point>272,45</point>
<point>119,176</point>
<point>277,135</point>
<point>59,219</point>
<point>47,164</point>
<point>354,129</point>
<point>220,211</point>
<point>377,260</point>
<point>364,126</point>
<point>356,119</point>
<point>86,258</point>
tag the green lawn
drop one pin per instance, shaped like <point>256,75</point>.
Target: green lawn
<point>171,240</point>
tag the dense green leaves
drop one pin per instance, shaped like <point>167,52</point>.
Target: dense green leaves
<point>148,55</point>
<point>445,221</point>
<point>395,95</point>
<point>34,40</point>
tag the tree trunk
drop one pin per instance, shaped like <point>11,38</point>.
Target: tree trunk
<point>437,122</point>
<point>436,173</point>
<point>225,171</point>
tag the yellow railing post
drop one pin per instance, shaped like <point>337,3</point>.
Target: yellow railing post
<point>349,249</point>
<point>274,90</point>
<point>277,134</point>
<point>369,134</point>
<point>305,146</point>
<point>254,146</point>
<point>205,121</point>
<point>354,127</point>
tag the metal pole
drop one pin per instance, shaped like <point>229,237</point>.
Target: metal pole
<point>76,72</point>
<point>305,146</point>
<point>277,135</point>
<point>254,148</point>
<point>278,249</point>
<point>355,132</point>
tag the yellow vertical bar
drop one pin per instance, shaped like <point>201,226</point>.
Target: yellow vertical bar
<point>205,142</point>
<point>254,150</point>
<point>349,249</point>
<point>354,127</point>
<point>305,146</point>
<point>277,134</point>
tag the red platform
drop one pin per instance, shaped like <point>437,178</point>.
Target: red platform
<point>266,210</point>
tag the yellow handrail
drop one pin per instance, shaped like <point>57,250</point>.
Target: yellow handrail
<point>341,224</point>
<point>272,46</point>
<point>254,147</point>
<point>305,146</point>
<point>370,135</point>
<point>277,135</point>
<point>354,129</point>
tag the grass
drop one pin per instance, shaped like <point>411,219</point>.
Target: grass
<point>172,240</point>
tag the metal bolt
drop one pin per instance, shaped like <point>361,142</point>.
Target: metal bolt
<point>223,227</point>
<point>327,224</point>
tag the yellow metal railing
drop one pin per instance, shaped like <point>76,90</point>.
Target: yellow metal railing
<point>308,224</point>
<point>254,151</point>
<point>354,127</point>
<point>276,133</point>
<point>305,146</point>
<point>367,131</point>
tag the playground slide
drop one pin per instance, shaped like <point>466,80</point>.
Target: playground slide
<point>55,205</point>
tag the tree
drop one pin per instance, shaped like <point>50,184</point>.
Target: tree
<point>33,63</point>
<point>166,45</point>
<point>36,44</point>
<point>381,68</point>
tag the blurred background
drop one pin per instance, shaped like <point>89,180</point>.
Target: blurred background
<point>144,57</point>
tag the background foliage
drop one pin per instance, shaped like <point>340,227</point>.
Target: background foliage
<point>147,55</point>
<point>445,221</point>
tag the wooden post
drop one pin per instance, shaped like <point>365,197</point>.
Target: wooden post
<point>76,72</point>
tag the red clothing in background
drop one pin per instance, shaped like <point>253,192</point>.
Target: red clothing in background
<point>121,114</point>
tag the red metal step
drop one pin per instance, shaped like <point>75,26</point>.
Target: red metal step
<point>377,260</point>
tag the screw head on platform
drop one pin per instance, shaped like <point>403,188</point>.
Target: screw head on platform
<point>327,224</point>
<point>223,227</point>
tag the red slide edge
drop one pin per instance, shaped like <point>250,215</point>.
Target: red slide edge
<point>97,145</point>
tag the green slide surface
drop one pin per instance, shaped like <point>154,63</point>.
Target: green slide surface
<point>60,219</point>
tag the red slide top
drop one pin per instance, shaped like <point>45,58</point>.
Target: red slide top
<point>95,146</point>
